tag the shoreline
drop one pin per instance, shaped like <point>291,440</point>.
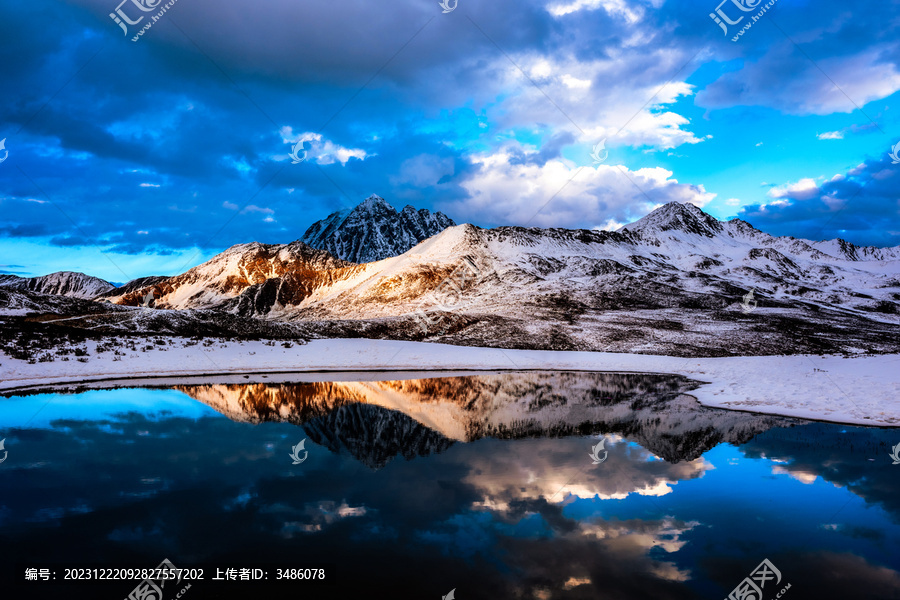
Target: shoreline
<point>855,391</point>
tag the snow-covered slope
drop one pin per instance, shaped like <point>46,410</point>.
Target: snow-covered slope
<point>659,262</point>
<point>21,302</point>
<point>63,283</point>
<point>673,282</point>
<point>374,230</point>
<point>674,217</point>
<point>832,273</point>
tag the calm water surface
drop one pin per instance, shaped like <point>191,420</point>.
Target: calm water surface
<point>410,488</point>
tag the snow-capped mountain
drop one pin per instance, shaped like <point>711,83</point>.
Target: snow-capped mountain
<point>374,230</point>
<point>63,283</point>
<point>662,224</point>
<point>676,282</point>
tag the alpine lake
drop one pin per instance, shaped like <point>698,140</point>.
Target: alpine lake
<point>452,485</point>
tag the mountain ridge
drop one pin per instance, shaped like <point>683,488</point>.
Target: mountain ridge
<point>674,282</point>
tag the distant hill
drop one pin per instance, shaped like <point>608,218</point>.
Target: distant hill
<point>63,283</point>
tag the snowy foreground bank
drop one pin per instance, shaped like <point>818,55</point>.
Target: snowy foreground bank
<point>860,390</point>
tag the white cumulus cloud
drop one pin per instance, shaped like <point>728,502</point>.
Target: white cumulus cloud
<point>562,194</point>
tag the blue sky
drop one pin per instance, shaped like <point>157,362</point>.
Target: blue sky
<point>133,158</point>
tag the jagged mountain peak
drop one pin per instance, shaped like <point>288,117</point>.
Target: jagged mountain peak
<point>676,216</point>
<point>372,206</point>
<point>743,227</point>
<point>374,230</point>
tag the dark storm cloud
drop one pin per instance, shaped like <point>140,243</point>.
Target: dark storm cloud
<point>164,116</point>
<point>862,207</point>
<point>202,110</point>
<point>347,42</point>
<point>197,106</point>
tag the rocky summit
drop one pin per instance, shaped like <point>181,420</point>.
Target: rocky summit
<point>374,230</point>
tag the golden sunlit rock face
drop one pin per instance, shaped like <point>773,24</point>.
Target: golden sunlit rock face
<point>295,267</point>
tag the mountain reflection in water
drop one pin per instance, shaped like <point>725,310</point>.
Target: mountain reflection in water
<point>497,496</point>
<point>376,420</point>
